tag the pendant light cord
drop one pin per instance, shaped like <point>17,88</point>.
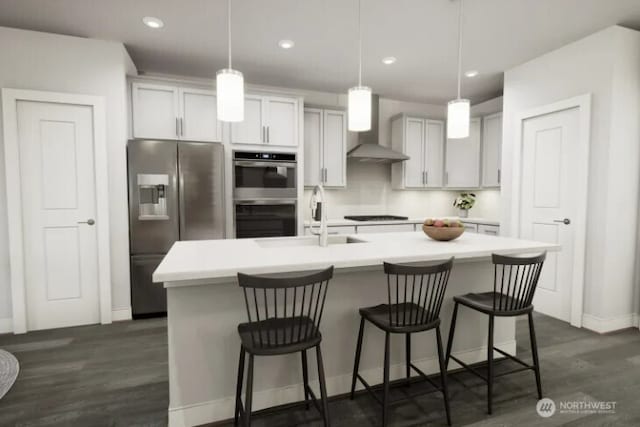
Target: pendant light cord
<point>460,45</point>
<point>229,31</point>
<point>359,43</point>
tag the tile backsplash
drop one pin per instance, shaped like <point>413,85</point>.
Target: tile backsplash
<point>369,191</point>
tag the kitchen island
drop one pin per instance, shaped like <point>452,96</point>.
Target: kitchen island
<point>205,305</point>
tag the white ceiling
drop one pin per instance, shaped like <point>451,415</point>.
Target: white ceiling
<point>499,34</point>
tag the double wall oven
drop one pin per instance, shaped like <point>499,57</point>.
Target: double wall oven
<point>264,194</point>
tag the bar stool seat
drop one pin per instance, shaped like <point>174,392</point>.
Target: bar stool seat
<point>279,336</point>
<point>384,316</point>
<point>484,302</point>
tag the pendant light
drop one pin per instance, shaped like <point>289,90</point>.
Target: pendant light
<point>458,110</point>
<point>230,86</point>
<point>359,96</point>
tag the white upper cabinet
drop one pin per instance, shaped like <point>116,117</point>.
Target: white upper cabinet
<point>268,120</point>
<point>169,112</point>
<point>423,141</point>
<point>462,168</point>
<point>199,115</point>
<point>156,111</point>
<point>491,149</point>
<point>325,147</point>
<point>251,130</point>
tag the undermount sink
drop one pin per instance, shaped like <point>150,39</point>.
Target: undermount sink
<point>306,241</point>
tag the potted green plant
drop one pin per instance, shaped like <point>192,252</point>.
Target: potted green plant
<point>464,202</point>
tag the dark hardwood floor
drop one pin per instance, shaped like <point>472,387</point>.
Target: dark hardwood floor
<point>116,375</point>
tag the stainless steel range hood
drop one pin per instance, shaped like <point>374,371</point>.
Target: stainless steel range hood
<point>368,148</point>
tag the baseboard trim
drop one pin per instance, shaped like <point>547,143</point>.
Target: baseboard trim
<point>222,409</point>
<point>6,325</point>
<point>605,325</point>
<point>120,314</point>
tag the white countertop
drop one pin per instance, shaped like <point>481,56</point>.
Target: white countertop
<point>202,261</point>
<point>342,222</point>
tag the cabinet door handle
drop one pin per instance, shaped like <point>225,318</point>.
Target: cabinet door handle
<point>268,134</point>
<point>181,126</point>
<point>325,175</point>
<point>177,126</point>
<point>499,177</point>
<point>264,139</point>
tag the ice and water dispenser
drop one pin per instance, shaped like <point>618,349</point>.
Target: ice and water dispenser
<point>152,196</point>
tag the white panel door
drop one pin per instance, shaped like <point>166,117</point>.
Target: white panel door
<point>313,128</point>
<point>251,130</point>
<point>434,153</point>
<point>155,111</point>
<point>549,143</point>
<point>282,121</point>
<point>58,198</point>
<point>334,148</point>
<point>199,116</point>
<point>414,148</point>
<point>491,149</point>
<point>463,159</point>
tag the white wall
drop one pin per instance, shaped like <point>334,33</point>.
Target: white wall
<point>606,65</point>
<point>48,62</point>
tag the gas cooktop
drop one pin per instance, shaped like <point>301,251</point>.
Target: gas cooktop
<point>375,217</point>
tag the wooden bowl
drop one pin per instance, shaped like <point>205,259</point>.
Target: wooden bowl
<point>443,234</point>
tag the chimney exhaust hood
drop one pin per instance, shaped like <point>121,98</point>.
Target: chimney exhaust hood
<point>368,148</point>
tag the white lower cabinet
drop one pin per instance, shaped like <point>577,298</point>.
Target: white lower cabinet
<point>470,227</point>
<point>386,228</point>
<point>491,230</point>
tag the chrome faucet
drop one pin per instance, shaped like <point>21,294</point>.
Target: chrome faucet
<point>318,193</point>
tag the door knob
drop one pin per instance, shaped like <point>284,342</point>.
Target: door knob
<point>565,221</point>
<point>90,221</point>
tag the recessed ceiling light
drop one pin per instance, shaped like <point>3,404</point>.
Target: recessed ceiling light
<point>286,44</point>
<point>471,73</point>
<point>152,22</point>
<point>389,60</point>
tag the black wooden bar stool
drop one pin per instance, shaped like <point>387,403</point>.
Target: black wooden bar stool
<point>284,318</point>
<point>415,295</point>
<point>514,284</point>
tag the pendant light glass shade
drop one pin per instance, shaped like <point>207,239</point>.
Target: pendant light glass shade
<point>230,93</point>
<point>458,117</point>
<point>359,108</point>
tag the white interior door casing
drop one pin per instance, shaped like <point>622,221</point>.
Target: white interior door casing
<point>463,159</point>
<point>199,116</point>
<point>550,145</point>
<point>491,150</point>
<point>56,148</point>
<point>156,110</point>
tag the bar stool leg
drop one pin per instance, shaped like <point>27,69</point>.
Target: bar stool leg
<point>443,375</point>
<point>356,364</point>
<point>385,393</point>
<point>490,366</point>
<point>249,395</point>
<point>305,377</point>
<point>534,353</point>
<point>323,387</point>
<point>408,353</point>
<point>239,386</point>
<point>452,329</point>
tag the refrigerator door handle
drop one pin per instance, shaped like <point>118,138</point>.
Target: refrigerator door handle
<point>181,205</point>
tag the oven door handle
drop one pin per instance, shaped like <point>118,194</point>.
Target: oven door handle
<point>266,202</point>
<point>250,163</point>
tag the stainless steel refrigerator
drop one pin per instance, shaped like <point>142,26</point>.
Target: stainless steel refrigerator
<point>176,192</point>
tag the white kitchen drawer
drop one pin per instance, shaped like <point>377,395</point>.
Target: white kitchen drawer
<point>470,227</point>
<point>387,228</point>
<point>492,230</point>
